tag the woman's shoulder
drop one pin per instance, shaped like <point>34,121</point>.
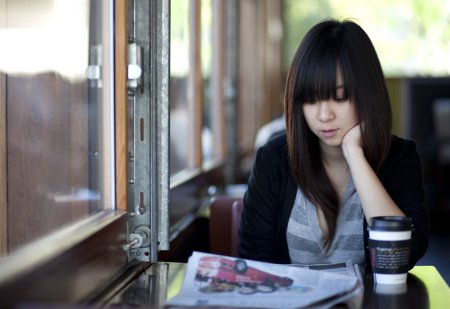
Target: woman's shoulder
<point>401,146</point>
<point>276,146</point>
<point>402,153</point>
<point>277,142</point>
<point>274,152</point>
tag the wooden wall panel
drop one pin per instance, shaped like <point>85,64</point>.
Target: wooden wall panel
<point>248,84</point>
<point>218,121</point>
<point>195,84</point>
<point>259,89</point>
<point>3,171</point>
<point>274,76</point>
<point>3,197</point>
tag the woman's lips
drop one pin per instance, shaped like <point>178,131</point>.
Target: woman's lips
<point>328,133</point>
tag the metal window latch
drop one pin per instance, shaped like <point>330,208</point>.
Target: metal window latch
<point>94,69</point>
<point>136,241</point>
<point>140,238</point>
<point>134,67</point>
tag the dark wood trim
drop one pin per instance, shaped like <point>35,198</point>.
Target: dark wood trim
<point>120,31</point>
<point>195,237</point>
<point>189,222</point>
<point>72,271</point>
<point>187,198</point>
<point>189,206</point>
<point>123,278</point>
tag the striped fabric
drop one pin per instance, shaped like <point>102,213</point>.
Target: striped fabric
<point>305,238</point>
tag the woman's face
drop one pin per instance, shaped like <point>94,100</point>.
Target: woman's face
<point>330,120</point>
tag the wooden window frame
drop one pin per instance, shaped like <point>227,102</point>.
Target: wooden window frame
<point>79,261</point>
<point>192,183</point>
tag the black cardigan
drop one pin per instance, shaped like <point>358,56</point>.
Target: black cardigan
<point>272,188</point>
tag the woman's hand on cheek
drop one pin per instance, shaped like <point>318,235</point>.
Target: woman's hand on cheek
<point>352,140</point>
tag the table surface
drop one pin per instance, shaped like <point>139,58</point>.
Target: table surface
<point>425,288</point>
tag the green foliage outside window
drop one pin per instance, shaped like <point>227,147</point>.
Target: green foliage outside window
<point>412,37</point>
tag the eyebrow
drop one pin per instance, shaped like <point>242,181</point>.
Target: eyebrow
<point>339,86</point>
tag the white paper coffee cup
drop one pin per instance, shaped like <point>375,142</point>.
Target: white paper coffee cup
<point>391,289</point>
<point>389,246</point>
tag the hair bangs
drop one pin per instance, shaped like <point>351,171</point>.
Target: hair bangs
<point>317,78</point>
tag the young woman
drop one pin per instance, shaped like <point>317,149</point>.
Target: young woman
<point>313,190</point>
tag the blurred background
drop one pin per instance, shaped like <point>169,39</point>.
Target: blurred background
<point>211,91</point>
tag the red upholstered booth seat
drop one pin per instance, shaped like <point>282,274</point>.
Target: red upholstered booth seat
<point>225,216</point>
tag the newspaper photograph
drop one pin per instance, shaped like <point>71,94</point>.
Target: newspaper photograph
<point>216,280</point>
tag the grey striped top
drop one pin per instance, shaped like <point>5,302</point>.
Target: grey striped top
<point>305,237</point>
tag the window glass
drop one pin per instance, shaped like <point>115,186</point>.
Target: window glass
<point>411,37</point>
<point>207,90</point>
<point>180,123</point>
<point>53,129</point>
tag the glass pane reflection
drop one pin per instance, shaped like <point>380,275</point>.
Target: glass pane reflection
<point>51,133</point>
<point>180,125</point>
<point>207,66</point>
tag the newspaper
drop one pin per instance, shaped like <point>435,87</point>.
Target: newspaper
<point>217,280</point>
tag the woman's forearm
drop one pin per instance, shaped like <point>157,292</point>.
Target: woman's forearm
<point>375,200</point>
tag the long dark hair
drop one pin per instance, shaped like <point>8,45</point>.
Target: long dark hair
<point>328,46</point>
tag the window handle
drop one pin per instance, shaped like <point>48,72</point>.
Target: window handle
<point>136,241</point>
<point>140,238</point>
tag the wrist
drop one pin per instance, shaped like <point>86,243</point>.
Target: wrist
<point>352,152</point>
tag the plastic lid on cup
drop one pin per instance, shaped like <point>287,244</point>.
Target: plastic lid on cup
<point>390,223</point>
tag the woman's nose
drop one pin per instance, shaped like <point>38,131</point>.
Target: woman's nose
<point>325,112</point>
